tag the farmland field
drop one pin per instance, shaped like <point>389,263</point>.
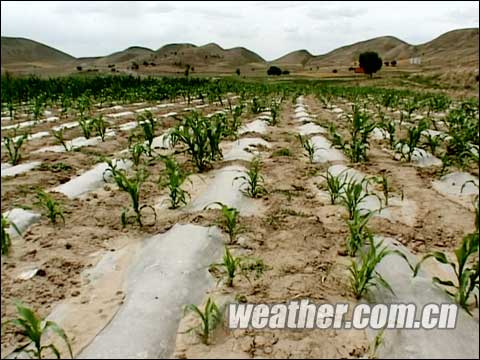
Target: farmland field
<point>125,191</point>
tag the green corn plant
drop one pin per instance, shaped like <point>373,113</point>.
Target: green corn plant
<point>148,123</point>
<point>86,126</point>
<point>253,179</point>
<point>335,137</point>
<point>201,136</point>
<point>52,208</point>
<point>173,179</point>
<point>5,235</point>
<point>362,273</point>
<point>358,232</point>
<point>467,276</point>
<point>100,126</point>
<point>360,128</point>
<point>390,128</point>
<point>210,318</point>
<point>230,267</point>
<point>131,185</point>
<point>352,196</point>
<point>13,146</point>
<point>256,107</point>
<point>236,122</point>
<point>335,185</point>
<point>36,108</point>
<point>308,146</point>
<point>230,221</point>
<point>32,327</point>
<point>136,151</point>
<point>59,135</point>
<point>433,142</point>
<point>407,146</point>
<point>274,110</point>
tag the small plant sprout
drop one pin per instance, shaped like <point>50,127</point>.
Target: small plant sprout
<point>32,327</point>
<point>253,179</point>
<point>308,146</point>
<point>359,232</point>
<point>210,318</point>
<point>433,141</point>
<point>230,267</point>
<point>52,208</point>
<point>173,179</point>
<point>13,145</point>
<point>86,126</point>
<point>230,221</point>
<point>59,135</point>
<point>147,122</point>
<point>100,126</point>
<point>363,274</point>
<point>5,235</point>
<point>466,269</point>
<point>131,185</point>
<point>352,196</point>
<point>136,151</point>
<point>335,185</point>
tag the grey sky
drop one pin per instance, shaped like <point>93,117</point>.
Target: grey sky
<point>270,28</point>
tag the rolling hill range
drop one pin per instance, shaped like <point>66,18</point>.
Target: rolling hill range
<point>457,48</point>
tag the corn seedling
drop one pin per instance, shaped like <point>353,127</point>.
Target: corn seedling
<point>308,146</point>
<point>360,128</point>
<point>230,267</point>
<point>52,208</point>
<point>407,146</point>
<point>86,126</point>
<point>433,142</point>
<point>363,275</point>
<point>100,126</point>
<point>352,196</point>
<point>335,137</point>
<point>32,327</point>
<point>335,185</point>
<point>467,276</point>
<point>5,235</point>
<point>173,179</point>
<point>147,122</point>
<point>59,135</point>
<point>13,146</point>
<point>131,185</point>
<point>253,179</point>
<point>210,318</point>
<point>136,152</point>
<point>359,233</point>
<point>230,221</point>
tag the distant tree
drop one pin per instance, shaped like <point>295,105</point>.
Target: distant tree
<point>79,68</point>
<point>334,71</point>
<point>393,62</point>
<point>112,69</point>
<point>192,69</point>
<point>145,63</point>
<point>370,62</point>
<point>274,70</point>
<point>153,64</point>
<point>237,72</point>
<point>134,66</point>
<point>286,72</point>
<point>351,68</point>
<point>187,70</point>
<point>386,63</point>
<point>476,78</point>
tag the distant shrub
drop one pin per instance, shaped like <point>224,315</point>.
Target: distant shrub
<point>351,68</point>
<point>286,72</point>
<point>274,70</point>
<point>153,64</point>
<point>111,65</point>
<point>79,68</point>
<point>237,72</point>
<point>386,63</point>
<point>393,62</point>
<point>334,71</point>
<point>145,63</point>
<point>135,66</point>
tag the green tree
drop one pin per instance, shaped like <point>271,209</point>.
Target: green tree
<point>370,62</point>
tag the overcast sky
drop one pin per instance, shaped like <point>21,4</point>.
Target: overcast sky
<point>270,28</point>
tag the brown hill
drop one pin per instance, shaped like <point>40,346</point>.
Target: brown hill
<point>16,51</point>
<point>127,55</point>
<point>299,57</point>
